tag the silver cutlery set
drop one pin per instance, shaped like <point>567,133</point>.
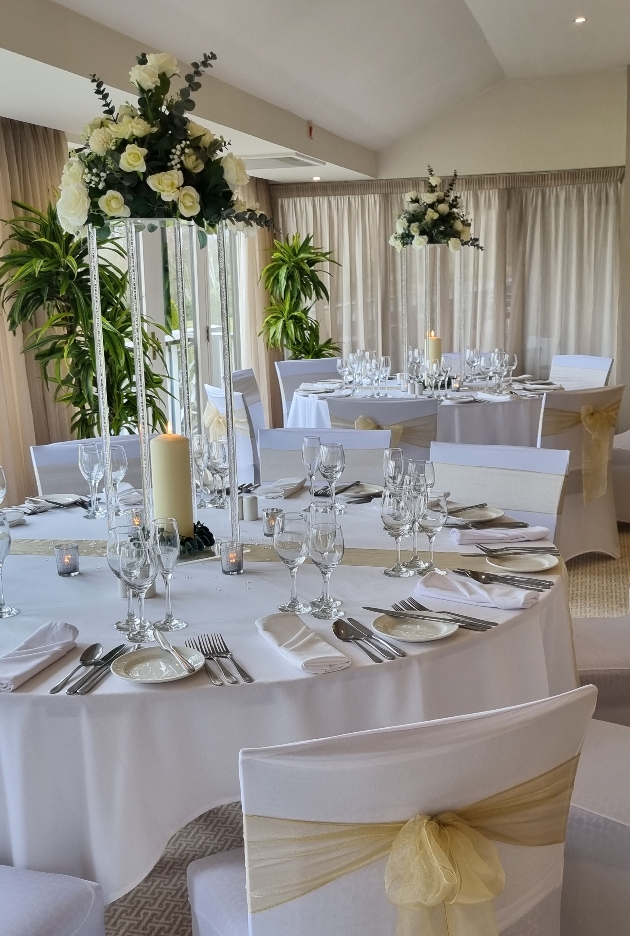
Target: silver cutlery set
<point>214,648</point>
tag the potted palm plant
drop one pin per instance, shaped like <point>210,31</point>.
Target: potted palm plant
<point>294,284</point>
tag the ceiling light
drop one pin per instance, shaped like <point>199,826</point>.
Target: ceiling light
<point>579,19</point>
<point>317,178</point>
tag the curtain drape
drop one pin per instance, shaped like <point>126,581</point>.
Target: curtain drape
<point>546,282</point>
<point>31,160</point>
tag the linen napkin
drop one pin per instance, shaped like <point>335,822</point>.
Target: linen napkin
<point>299,645</point>
<point>15,516</point>
<point>283,487</point>
<point>320,387</point>
<point>498,535</point>
<point>493,397</point>
<point>48,643</point>
<point>131,498</point>
<point>451,587</point>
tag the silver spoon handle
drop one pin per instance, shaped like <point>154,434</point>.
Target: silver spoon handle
<point>372,656</point>
<point>66,679</point>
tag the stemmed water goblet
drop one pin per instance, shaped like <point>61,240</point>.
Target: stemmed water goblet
<point>290,540</point>
<point>131,557</point>
<point>5,546</point>
<point>310,460</point>
<point>219,463</point>
<point>325,548</point>
<point>332,461</point>
<point>343,369</point>
<point>397,517</point>
<point>165,542</point>
<point>91,467</point>
<point>201,459</point>
<point>118,461</point>
<point>432,521</point>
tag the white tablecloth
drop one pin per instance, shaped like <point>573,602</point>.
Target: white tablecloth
<point>94,786</point>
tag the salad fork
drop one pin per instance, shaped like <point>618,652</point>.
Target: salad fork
<point>195,644</point>
<point>220,649</point>
<point>209,652</point>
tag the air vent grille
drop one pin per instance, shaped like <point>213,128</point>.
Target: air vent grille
<point>281,161</point>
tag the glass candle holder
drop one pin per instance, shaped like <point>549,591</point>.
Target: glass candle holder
<point>269,518</point>
<point>231,558</point>
<point>67,556</point>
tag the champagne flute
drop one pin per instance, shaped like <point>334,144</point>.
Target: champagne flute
<point>397,517</point>
<point>416,486</point>
<point>321,513</point>
<point>310,460</point>
<point>91,467</point>
<point>332,461</point>
<point>118,461</point>
<point>165,540</point>
<point>432,521</point>
<point>5,546</point>
<point>385,365</point>
<point>325,548</point>
<point>290,540</point>
<point>393,467</point>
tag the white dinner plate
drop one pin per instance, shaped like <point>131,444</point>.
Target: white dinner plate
<point>533,563</point>
<point>154,665</point>
<point>480,513</point>
<point>411,630</point>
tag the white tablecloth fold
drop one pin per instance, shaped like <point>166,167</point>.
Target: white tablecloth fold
<point>299,645</point>
<point>497,535</point>
<point>48,643</point>
<point>453,587</point>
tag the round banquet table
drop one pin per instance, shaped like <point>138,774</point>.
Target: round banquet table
<point>490,422</point>
<point>95,785</point>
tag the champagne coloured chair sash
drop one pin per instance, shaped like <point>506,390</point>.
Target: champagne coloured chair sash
<point>216,425</point>
<point>443,871</point>
<point>420,431</point>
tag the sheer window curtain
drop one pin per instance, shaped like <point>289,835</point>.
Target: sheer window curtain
<point>31,160</point>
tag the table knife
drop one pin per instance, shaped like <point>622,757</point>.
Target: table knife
<point>434,616</point>
<point>99,668</point>
<point>370,635</point>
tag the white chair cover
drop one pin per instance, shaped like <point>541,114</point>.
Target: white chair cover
<point>247,462</point>
<point>602,654</point>
<point>516,422</point>
<point>391,775</point>
<point>621,475</point>
<point>33,903</point>
<point>415,419</point>
<point>281,452</point>
<point>596,888</point>
<point>244,381</point>
<point>526,482</point>
<point>292,373</point>
<point>588,525</point>
<point>580,371</point>
<point>57,465</point>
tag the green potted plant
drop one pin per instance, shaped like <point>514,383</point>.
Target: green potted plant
<point>47,268</point>
<point>294,284</point>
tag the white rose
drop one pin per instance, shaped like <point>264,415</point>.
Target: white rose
<point>414,228</point>
<point>411,196</point>
<point>395,242</point>
<point>101,140</point>
<point>434,180</point>
<point>443,208</point>
<point>192,162</point>
<point>420,241</point>
<point>465,234</point>
<point>188,201</point>
<point>73,207</point>
<point>145,77</point>
<point>93,125</point>
<point>167,183</point>
<point>127,110</point>
<point>457,225</point>
<point>72,172</point>
<point>401,225</point>
<point>197,132</point>
<point>431,215</point>
<point>454,244</point>
<point>428,197</point>
<point>164,63</point>
<point>129,127</point>
<point>234,171</point>
<point>113,204</point>
<point>132,160</point>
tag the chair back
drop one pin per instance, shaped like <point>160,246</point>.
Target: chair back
<point>526,482</point>
<point>281,452</point>
<point>391,775</point>
<point>244,382</point>
<point>247,462</point>
<point>57,470</point>
<point>580,371</point>
<point>292,373</point>
<point>413,423</point>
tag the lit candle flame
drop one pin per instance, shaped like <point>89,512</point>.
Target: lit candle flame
<point>169,428</point>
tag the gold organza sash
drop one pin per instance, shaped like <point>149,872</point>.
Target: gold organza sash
<point>421,431</point>
<point>215,422</point>
<point>443,871</point>
<point>600,427</point>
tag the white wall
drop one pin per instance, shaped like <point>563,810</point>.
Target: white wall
<point>521,125</point>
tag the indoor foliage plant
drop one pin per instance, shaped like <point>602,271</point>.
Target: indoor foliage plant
<point>47,268</point>
<point>294,285</point>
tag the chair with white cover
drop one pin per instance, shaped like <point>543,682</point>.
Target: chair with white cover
<point>596,887</point>
<point>281,452</point>
<point>602,656</point>
<point>57,465</point>
<point>247,461</point>
<point>580,371</point>
<point>244,382</point>
<point>413,423</point>
<point>328,822</point>
<point>35,903</point>
<point>526,482</point>
<point>292,373</point>
<point>583,421</point>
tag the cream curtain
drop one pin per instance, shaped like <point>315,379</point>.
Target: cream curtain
<point>31,159</point>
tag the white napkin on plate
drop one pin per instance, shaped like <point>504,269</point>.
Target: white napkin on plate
<point>283,487</point>
<point>453,587</point>
<point>299,645</point>
<point>48,643</point>
<point>496,535</point>
<point>493,397</point>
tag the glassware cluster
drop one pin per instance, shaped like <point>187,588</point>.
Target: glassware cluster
<point>365,369</point>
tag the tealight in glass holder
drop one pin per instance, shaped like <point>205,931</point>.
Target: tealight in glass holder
<point>231,558</point>
<point>67,556</point>
<point>269,518</point>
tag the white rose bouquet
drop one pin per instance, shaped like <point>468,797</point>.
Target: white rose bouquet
<point>152,160</point>
<point>433,217</point>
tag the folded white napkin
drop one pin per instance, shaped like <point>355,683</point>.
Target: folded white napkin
<point>283,487</point>
<point>320,386</point>
<point>15,516</point>
<point>492,397</point>
<point>541,385</point>
<point>299,645</point>
<point>496,535</point>
<point>48,643</point>
<point>131,498</point>
<point>456,398</point>
<point>453,587</point>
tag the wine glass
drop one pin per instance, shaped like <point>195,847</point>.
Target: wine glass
<point>201,459</point>
<point>5,546</point>
<point>118,461</point>
<point>432,521</point>
<point>3,484</point>
<point>310,460</point>
<point>416,488</point>
<point>91,467</point>
<point>447,367</point>
<point>343,369</point>
<point>472,361</point>
<point>325,548</point>
<point>511,362</point>
<point>485,367</point>
<point>393,467</point>
<point>132,559</point>
<point>165,541</point>
<point>220,464</point>
<point>385,367</point>
<point>332,461</point>
<point>397,517</point>
<point>321,513</point>
<point>290,540</point>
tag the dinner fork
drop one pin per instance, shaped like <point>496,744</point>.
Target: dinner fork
<point>221,649</point>
<point>404,607</point>
<point>195,644</point>
<point>518,550</point>
<point>470,622</point>
<point>209,652</point>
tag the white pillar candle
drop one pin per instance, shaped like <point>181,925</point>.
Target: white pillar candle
<point>172,486</point>
<point>433,350</point>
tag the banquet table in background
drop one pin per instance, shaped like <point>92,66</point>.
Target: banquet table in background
<point>95,785</point>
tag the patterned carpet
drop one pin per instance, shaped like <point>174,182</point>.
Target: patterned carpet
<point>598,585</point>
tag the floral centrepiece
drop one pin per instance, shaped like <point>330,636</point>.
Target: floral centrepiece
<point>434,217</point>
<point>152,160</point>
